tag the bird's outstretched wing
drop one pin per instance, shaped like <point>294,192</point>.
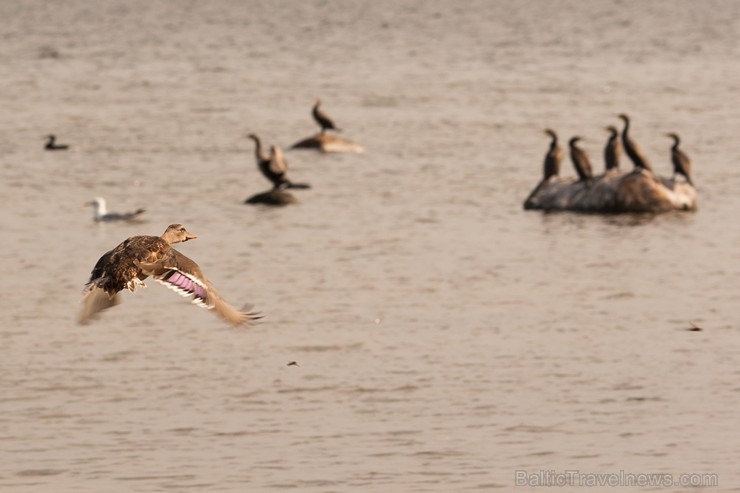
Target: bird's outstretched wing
<point>278,165</point>
<point>95,300</point>
<point>182,275</point>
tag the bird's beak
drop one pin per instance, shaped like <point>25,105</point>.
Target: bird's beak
<point>88,203</point>
<point>190,236</point>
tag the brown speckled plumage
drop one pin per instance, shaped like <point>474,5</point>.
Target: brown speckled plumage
<point>138,257</point>
<point>681,162</point>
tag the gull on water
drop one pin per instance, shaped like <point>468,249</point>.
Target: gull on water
<point>101,214</point>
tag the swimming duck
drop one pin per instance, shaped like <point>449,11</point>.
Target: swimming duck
<point>51,144</point>
<point>101,213</point>
<point>138,257</point>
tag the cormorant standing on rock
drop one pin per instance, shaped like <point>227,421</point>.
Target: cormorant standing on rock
<point>613,149</point>
<point>580,161</point>
<point>681,162</point>
<point>553,157</point>
<point>633,150</point>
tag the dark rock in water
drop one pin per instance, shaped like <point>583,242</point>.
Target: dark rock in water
<point>326,142</point>
<point>614,192</point>
<point>272,197</point>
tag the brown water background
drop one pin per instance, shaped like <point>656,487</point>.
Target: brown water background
<point>446,338</point>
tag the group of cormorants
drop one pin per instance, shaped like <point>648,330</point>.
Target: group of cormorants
<point>612,153</point>
<point>274,167</point>
<point>139,257</point>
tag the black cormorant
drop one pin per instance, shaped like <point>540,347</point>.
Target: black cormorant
<point>633,150</point>
<point>580,161</point>
<point>681,162</point>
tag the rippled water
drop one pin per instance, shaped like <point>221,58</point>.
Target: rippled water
<point>446,338</point>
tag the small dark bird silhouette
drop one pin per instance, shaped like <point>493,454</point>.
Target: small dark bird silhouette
<point>581,162</point>
<point>694,328</point>
<point>553,157</point>
<point>613,149</point>
<point>51,144</point>
<point>631,148</point>
<point>322,119</point>
<point>681,162</point>
<point>293,363</point>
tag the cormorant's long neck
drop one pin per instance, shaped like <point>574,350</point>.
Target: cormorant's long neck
<point>258,150</point>
<point>676,141</point>
<point>626,128</point>
<point>554,142</point>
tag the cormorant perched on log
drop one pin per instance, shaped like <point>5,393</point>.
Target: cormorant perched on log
<point>681,162</point>
<point>580,161</point>
<point>553,157</point>
<point>273,166</point>
<point>613,149</point>
<point>633,150</point>
<point>321,118</point>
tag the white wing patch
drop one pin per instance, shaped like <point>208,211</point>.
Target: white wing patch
<point>186,285</point>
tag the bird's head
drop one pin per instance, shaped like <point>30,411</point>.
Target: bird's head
<point>176,233</point>
<point>97,202</point>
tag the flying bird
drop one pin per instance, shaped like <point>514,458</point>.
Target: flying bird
<point>138,257</point>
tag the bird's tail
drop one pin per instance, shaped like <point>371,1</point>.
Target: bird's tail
<point>95,300</point>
